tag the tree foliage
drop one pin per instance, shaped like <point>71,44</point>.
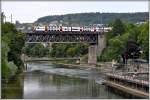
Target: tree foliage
<point>143,39</point>
<point>12,43</point>
<point>4,64</point>
<point>94,18</point>
<point>57,50</point>
<point>36,50</point>
<point>69,50</point>
<point>116,44</point>
<point>118,27</point>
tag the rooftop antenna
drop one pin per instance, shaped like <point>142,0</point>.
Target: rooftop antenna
<point>101,18</point>
<point>102,21</point>
<point>11,18</point>
<point>4,18</point>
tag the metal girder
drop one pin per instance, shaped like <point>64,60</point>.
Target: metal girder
<point>63,37</point>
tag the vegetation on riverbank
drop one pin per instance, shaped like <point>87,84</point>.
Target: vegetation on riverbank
<point>57,50</point>
<point>118,37</point>
<point>12,43</point>
<point>36,50</point>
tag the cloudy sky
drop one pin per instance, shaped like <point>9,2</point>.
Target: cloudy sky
<point>30,11</point>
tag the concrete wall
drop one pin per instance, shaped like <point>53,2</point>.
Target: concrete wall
<point>101,43</point>
<point>94,50</point>
<point>92,54</point>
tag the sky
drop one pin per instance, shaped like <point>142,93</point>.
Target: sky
<point>30,11</point>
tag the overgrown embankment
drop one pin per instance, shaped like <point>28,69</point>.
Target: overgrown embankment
<point>12,43</point>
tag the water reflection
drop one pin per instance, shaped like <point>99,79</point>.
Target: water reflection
<point>47,81</point>
<point>63,71</point>
<point>47,86</point>
<point>13,89</point>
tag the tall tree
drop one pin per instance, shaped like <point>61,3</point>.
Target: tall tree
<point>143,39</point>
<point>118,27</point>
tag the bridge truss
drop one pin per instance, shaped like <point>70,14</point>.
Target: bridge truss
<point>63,37</point>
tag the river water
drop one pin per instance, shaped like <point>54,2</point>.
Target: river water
<point>45,80</point>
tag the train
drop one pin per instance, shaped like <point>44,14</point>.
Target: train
<point>70,28</point>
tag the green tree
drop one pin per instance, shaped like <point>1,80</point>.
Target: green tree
<point>117,44</point>
<point>143,39</point>
<point>118,27</point>
<point>16,45</point>
<point>8,28</point>
<point>5,67</point>
<point>71,52</point>
<point>12,43</point>
<point>36,50</point>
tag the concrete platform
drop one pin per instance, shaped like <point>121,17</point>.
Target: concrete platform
<point>128,90</point>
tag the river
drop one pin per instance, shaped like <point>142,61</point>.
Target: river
<point>44,80</point>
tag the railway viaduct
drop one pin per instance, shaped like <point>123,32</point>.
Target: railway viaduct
<point>96,40</point>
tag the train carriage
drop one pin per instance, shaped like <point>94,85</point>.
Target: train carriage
<point>75,29</point>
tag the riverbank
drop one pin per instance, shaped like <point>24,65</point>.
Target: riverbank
<point>12,73</point>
